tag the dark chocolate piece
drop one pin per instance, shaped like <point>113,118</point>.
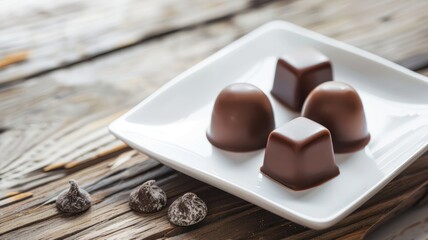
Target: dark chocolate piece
<point>242,119</point>
<point>297,74</point>
<point>338,107</point>
<point>147,198</point>
<point>187,210</point>
<point>73,200</point>
<point>300,155</point>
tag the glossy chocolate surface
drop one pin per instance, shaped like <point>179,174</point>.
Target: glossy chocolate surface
<point>338,107</point>
<point>300,155</point>
<point>242,119</point>
<point>297,74</point>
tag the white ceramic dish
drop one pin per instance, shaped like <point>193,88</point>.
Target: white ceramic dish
<point>170,125</point>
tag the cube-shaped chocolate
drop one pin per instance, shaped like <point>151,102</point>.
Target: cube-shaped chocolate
<point>297,74</point>
<point>300,155</point>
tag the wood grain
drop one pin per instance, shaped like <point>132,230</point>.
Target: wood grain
<point>77,95</point>
<point>54,34</point>
<point>13,58</point>
<point>59,119</point>
<point>226,218</point>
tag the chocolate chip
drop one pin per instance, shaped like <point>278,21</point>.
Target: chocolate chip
<point>74,199</point>
<point>147,198</point>
<point>187,210</point>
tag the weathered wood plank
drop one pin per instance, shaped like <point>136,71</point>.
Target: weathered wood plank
<point>416,63</point>
<point>50,34</point>
<point>93,91</point>
<point>121,80</point>
<point>226,218</point>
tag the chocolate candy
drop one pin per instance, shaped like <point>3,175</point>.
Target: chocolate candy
<point>242,119</point>
<point>297,74</point>
<point>74,199</point>
<point>187,210</point>
<point>300,155</point>
<point>338,107</point>
<point>147,198</point>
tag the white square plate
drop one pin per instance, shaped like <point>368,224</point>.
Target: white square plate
<point>170,125</point>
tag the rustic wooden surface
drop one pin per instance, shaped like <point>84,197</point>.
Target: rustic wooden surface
<point>68,68</point>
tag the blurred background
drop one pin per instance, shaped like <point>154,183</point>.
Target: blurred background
<point>70,63</point>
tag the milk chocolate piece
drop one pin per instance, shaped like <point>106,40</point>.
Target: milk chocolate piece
<point>338,107</point>
<point>297,74</point>
<point>300,155</point>
<point>242,119</point>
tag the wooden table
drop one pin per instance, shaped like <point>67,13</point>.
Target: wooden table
<point>68,68</point>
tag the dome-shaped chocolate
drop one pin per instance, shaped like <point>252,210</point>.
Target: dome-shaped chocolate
<point>338,107</point>
<point>242,119</point>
